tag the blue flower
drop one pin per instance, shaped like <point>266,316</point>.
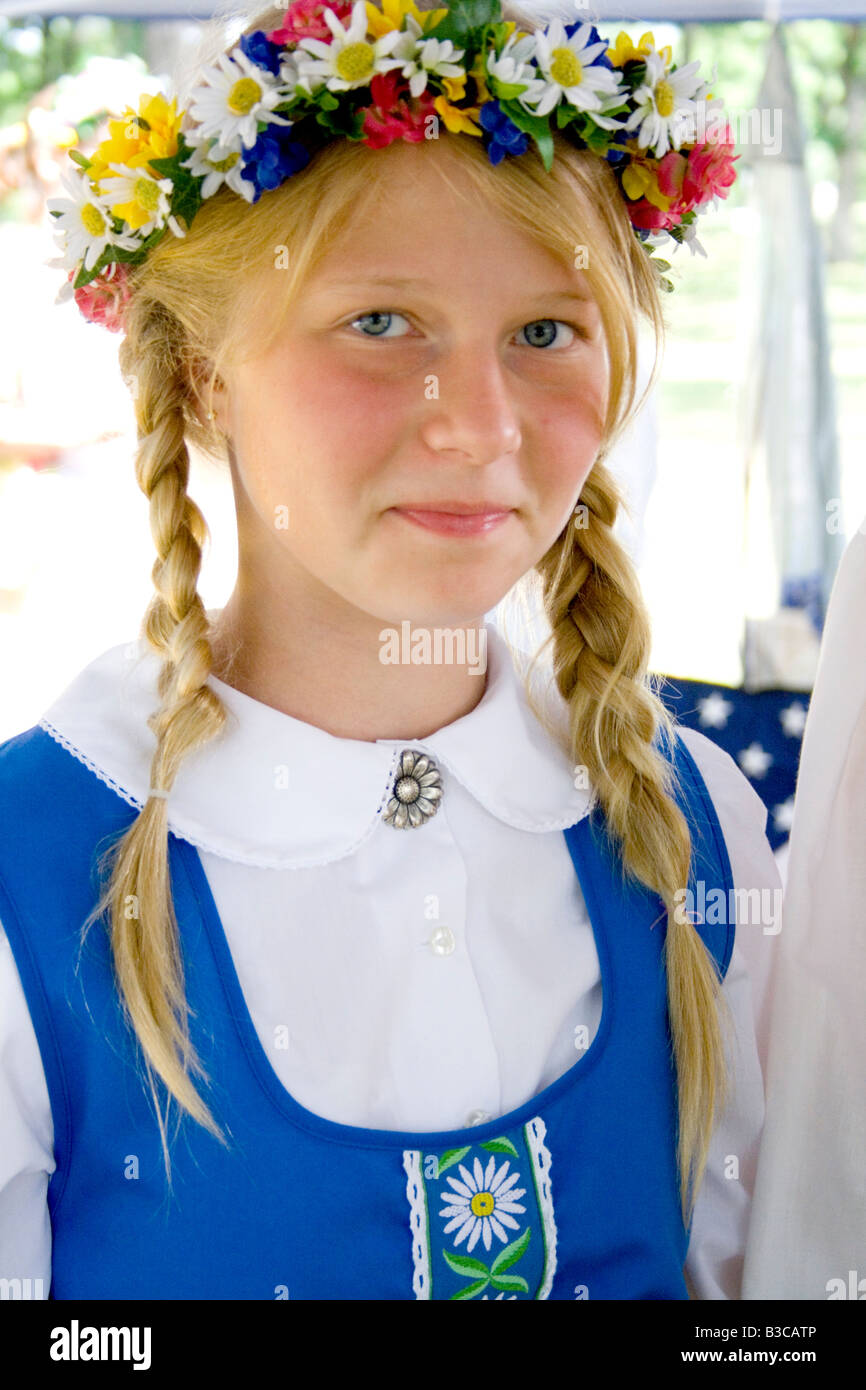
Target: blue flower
<point>274,157</point>
<point>259,49</point>
<point>595,37</point>
<point>505,136</point>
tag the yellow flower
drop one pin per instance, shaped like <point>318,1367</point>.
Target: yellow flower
<point>463,119</point>
<point>641,181</point>
<point>624,50</point>
<point>381,21</point>
<point>137,137</point>
<point>457,120</point>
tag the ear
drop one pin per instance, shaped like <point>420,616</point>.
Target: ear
<point>207,395</point>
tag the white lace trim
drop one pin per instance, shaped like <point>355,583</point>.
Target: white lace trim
<point>534,1131</point>
<point>224,849</point>
<point>89,764</point>
<point>417,1223</point>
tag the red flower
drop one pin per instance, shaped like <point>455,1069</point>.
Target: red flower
<point>305,20</point>
<point>643,214</point>
<point>390,116</point>
<point>103,300</point>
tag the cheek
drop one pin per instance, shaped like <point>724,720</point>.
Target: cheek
<point>314,427</point>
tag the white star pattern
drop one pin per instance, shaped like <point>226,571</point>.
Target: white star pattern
<point>754,760</point>
<point>793,719</point>
<point>714,710</point>
<point>783,815</point>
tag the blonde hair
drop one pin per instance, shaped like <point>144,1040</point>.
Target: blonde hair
<point>200,302</point>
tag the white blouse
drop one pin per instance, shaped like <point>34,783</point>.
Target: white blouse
<point>420,979</point>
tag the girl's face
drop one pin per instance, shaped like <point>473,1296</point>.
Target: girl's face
<point>436,358</point>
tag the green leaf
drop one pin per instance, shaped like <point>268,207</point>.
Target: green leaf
<point>536,126</point>
<point>510,1282</point>
<point>450,1157</point>
<point>327,100</point>
<point>79,159</point>
<point>108,256</point>
<point>339,123</point>
<point>661,265</point>
<point>500,1146</point>
<point>466,1264</point>
<point>511,1254</point>
<point>463,21</point>
<point>471,1289</point>
<point>505,91</point>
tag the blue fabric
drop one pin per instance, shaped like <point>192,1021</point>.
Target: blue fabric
<point>768,721</point>
<point>299,1206</point>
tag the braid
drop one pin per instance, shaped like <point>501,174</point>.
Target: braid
<point>600,631</point>
<point>143,928</point>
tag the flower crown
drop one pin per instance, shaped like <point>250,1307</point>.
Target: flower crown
<point>378,73</point>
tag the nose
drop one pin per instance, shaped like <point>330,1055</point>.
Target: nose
<point>469,408</point>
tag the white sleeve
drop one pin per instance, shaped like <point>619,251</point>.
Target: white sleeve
<point>714,1265</point>
<point>27,1144</point>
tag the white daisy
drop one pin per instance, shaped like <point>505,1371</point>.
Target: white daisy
<point>219,164</point>
<point>289,74</point>
<point>349,60</point>
<point>571,72</point>
<point>666,108</point>
<point>514,65</point>
<point>423,56</point>
<point>706,122</point>
<point>235,97</point>
<point>149,200</point>
<point>690,239</point>
<point>483,1204</point>
<point>83,228</point>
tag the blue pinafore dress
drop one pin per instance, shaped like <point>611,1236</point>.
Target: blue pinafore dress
<point>578,1186</point>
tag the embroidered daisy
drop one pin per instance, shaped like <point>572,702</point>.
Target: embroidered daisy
<point>143,201</point>
<point>482,1205</point>
<point>423,56</point>
<point>236,96</point>
<point>665,105</point>
<point>219,164</point>
<point>349,60</point>
<point>571,72</point>
<point>83,228</point>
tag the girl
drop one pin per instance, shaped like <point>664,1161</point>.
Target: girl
<point>399,932</point>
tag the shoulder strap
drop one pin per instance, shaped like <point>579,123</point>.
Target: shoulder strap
<point>711,881</point>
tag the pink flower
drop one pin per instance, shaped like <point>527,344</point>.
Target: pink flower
<point>103,300</point>
<point>711,170</point>
<point>707,172</point>
<point>390,116</point>
<point>305,20</point>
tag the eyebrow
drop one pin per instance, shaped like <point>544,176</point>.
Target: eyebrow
<point>407,283</point>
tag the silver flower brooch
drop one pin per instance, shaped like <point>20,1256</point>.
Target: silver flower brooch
<point>416,793</point>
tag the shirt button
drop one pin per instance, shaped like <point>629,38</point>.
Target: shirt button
<point>442,942</point>
<point>477,1117</point>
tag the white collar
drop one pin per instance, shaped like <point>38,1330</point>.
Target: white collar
<point>276,792</point>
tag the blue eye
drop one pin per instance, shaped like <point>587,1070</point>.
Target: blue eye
<point>382,322</point>
<point>540,333</point>
<point>543,339</point>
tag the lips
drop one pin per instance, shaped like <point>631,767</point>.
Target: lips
<point>467,521</point>
<point>454,508</point>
